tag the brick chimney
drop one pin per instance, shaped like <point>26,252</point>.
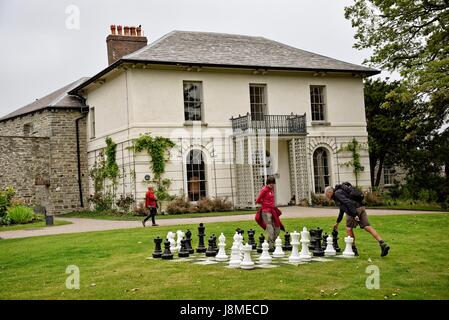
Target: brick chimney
<point>120,45</point>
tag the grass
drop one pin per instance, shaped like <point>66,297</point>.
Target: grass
<point>127,217</point>
<point>113,265</point>
<point>33,225</point>
<point>419,206</point>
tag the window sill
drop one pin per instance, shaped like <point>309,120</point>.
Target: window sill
<point>321,123</point>
<point>194,123</point>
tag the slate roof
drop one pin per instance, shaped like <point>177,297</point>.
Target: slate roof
<point>57,99</point>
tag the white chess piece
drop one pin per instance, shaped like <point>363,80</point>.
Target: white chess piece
<point>265,257</point>
<point>348,253</point>
<point>247,263</point>
<point>171,239</point>
<point>330,251</point>
<point>221,255</point>
<point>278,252</point>
<point>305,240</point>
<point>294,257</point>
<point>234,261</point>
<point>179,235</point>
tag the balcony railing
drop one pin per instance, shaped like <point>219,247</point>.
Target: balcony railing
<point>270,124</point>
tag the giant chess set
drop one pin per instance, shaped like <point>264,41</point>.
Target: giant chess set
<point>297,248</point>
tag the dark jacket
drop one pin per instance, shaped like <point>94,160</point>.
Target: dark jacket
<point>346,204</point>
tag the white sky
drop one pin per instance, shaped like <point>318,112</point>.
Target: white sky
<point>39,54</point>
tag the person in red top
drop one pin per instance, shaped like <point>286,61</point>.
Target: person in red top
<point>268,216</point>
<point>151,204</point>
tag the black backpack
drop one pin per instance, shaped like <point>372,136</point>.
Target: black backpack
<point>353,193</point>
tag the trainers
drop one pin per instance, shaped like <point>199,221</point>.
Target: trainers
<point>143,223</point>
<point>384,248</point>
<point>155,224</point>
<point>356,253</point>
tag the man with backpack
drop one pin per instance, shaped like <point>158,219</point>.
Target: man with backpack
<point>349,199</point>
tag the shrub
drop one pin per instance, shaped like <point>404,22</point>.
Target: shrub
<point>140,209</point>
<point>322,200</point>
<point>180,206</point>
<point>426,195</point>
<point>125,202</point>
<point>221,204</point>
<point>5,221</point>
<point>373,199</point>
<point>102,202</point>
<point>204,205</point>
<point>6,200</point>
<point>20,214</point>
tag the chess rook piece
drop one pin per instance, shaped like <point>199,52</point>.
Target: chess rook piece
<point>278,253</point>
<point>221,255</point>
<point>265,257</point>
<point>201,247</point>
<point>157,250</point>
<point>330,251</point>
<point>305,253</point>
<point>318,250</point>
<point>184,251</point>
<point>261,241</point>
<point>335,240</point>
<point>234,261</point>
<point>189,242</point>
<point>210,252</point>
<point>167,255</point>
<point>348,253</point>
<point>247,263</point>
<point>251,239</point>
<point>287,246</point>
<point>294,256</point>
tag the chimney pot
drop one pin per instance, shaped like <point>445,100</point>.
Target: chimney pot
<point>133,31</point>
<point>119,30</point>
<point>113,29</point>
<point>126,30</point>
<point>139,31</point>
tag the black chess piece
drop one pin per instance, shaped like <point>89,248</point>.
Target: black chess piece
<point>167,255</point>
<point>287,246</point>
<point>157,250</point>
<point>324,243</point>
<point>201,247</point>
<point>251,239</point>
<point>261,241</point>
<point>183,251</point>
<point>189,242</point>
<point>312,233</point>
<point>318,250</point>
<point>335,240</point>
<point>210,252</point>
<point>215,243</point>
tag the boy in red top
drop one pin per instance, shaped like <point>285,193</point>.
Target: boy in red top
<point>268,215</point>
<point>151,204</point>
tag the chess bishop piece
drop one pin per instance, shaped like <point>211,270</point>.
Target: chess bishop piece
<point>265,257</point>
<point>221,255</point>
<point>157,250</point>
<point>251,239</point>
<point>261,241</point>
<point>247,263</point>
<point>348,253</point>
<point>335,240</point>
<point>184,251</point>
<point>305,253</point>
<point>201,247</point>
<point>210,252</point>
<point>294,256</point>
<point>318,250</point>
<point>278,253</point>
<point>189,242</point>
<point>287,246</point>
<point>171,238</point>
<point>234,261</point>
<point>330,251</point>
<point>167,255</point>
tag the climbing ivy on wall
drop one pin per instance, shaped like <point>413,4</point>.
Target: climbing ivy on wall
<point>354,147</point>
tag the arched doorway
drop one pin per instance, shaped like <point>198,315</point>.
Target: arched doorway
<point>321,172</point>
<point>196,175</point>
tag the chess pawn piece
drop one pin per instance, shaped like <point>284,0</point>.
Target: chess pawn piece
<point>251,239</point>
<point>201,247</point>
<point>287,246</point>
<point>157,250</point>
<point>210,252</point>
<point>294,256</point>
<point>348,253</point>
<point>335,240</point>
<point>184,251</point>
<point>247,263</point>
<point>171,238</point>
<point>278,253</point>
<point>189,242</point>
<point>330,251</point>
<point>221,255</point>
<point>305,254</point>
<point>179,237</point>
<point>265,257</point>
<point>167,255</point>
<point>318,250</point>
<point>234,261</point>
<point>324,241</point>
<point>261,241</point>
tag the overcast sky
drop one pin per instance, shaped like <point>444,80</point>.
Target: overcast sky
<point>43,48</point>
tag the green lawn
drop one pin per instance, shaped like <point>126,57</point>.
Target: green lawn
<point>34,225</point>
<point>113,265</point>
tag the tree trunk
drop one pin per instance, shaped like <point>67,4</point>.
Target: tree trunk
<point>379,171</point>
<point>372,164</point>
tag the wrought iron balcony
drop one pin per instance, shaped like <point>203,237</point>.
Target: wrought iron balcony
<point>270,124</point>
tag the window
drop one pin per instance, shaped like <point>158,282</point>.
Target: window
<point>196,175</point>
<point>92,122</point>
<point>258,101</point>
<point>318,103</point>
<point>193,101</point>
<point>321,170</point>
<point>28,129</point>
<point>388,175</point>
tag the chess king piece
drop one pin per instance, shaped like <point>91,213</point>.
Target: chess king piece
<point>157,250</point>
<point>247,263</point>
<point>330,251</point>
<point>261,241</point>
<point>294,256</point>
<point>278,253</point>
<point>189,242</point>
<point>171,238</point>
<point>210,252</point>
<point>265,257</point>
<point>348,253</point>
<point>287,246</point>
<point>251,239</point>
<point>201,247</point>
<point>324,241</point>
<point>234,261</point>
<point>305,253</point>
<point>335,240</point>
<point>167,255</point>
<point>179,237</point>
<point>184,251</point>
<point>318,250</point>
<point>221,255</point>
